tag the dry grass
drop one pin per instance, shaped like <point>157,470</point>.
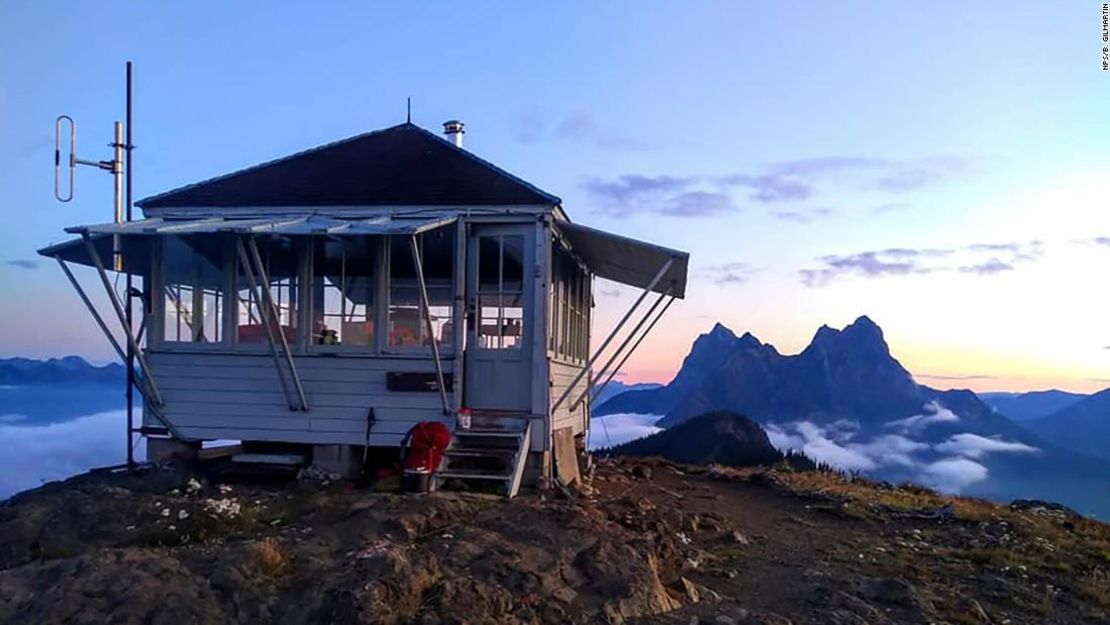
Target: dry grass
<point>864,493</point>
<point>270,558</point>
<point>1095,587</point>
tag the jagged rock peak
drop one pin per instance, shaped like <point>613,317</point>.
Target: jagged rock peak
<point>719,329</point>
<point>749,339</point>
<point>863,333</point>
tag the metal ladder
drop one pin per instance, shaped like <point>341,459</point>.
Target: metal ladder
<point>493,451</point>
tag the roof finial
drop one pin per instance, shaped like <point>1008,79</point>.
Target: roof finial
<point>408,110</point>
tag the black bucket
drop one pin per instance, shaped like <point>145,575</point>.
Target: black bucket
<point>416,481</point>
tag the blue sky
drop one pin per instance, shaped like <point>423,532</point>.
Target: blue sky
<point>789,148</point>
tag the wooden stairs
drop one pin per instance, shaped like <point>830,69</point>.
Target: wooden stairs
<point>491,453</point>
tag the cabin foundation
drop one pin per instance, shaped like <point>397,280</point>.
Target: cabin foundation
<point>165,450</point>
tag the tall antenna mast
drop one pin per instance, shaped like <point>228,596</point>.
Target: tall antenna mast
<point>64,187</point>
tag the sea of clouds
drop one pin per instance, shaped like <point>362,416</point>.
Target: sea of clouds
<point>614,429</point>
<point>950,466</point>
<point>34,454</point>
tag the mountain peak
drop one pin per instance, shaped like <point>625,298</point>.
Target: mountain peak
<point>749,340</point>
<point>720,330</point>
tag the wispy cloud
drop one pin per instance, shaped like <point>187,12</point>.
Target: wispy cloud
<point>23,263</point>
<point>868,264</point>
<point>976,446</point>
<point>933,413</point>
<point>980,259</point>
<point>578,126</point>
<point>937,376</point>
<point>787,186</point>
<point>802,215</point>
<point>698,204</point>
<point>728,273</point>
<point>987,268</point>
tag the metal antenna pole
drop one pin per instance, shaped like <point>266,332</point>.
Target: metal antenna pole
<point>127,308</point>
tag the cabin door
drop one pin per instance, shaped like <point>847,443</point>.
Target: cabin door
<point>500,259</point>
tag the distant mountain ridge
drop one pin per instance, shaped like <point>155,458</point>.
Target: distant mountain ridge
<point>1083,426</point>
<point>844,374</point>
<point>1022,407</point>
<point>68,370</point>
<point>847,401</point>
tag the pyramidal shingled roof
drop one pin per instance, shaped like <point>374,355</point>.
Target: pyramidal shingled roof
<point>401,165</point>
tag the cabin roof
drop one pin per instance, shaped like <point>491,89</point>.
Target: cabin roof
<point>403,165</point>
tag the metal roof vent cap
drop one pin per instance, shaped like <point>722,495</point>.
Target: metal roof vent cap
<point>453,128</point>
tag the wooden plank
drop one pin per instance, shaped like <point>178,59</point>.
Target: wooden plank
<point>358,414</point>
<point>316,400</point>
<point>261,360</point>
<point>566,457</point>
<point>286,436</point>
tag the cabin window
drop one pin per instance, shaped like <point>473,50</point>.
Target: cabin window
<point>569,316</point>
<point>501,291</point>
<point>344,279</point>
<point>281,263</point>
<point>407,327</point>
<point>192,290</point>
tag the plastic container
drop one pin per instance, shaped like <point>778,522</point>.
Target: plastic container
<point>464,419</point>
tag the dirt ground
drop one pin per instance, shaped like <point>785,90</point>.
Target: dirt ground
<point>642,542</point>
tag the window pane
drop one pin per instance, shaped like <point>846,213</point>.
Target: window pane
<point>512,271</point>
<point>407,326</point>
<point>193,289</point>
<point>489,321</point>
<point>512,320</point>
<point>280,260</point>
<point>344,286</point>
<point>489,263</point>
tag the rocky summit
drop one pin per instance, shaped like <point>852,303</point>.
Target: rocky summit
<point>642,541</point>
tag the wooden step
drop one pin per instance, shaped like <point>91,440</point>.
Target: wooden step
<point>470,474</point>
<point>497,453</point>
<point>282,459</point>
<point>490,433</point>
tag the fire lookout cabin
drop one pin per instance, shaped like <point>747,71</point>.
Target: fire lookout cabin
<point>332,299</point>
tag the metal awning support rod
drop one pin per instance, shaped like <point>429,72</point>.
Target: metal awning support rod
<point>253,283</point>
<point>620,350</point>
<point>597,354</point>
<point>139,383</point>
<point>114,298</point>
<point>92,309</point>
<point>426,309</point>
<point>597,390</point>
<point>277,322</point>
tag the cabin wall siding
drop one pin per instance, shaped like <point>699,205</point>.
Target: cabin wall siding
<point>562,375</point>
<point>239,396</point>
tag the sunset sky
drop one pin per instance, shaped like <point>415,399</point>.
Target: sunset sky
<point>943,168</point>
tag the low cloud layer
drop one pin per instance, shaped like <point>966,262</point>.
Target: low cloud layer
<point>950,466</point>
<point>35,454</point>
<point>976,446</point>
<point>614,429</point>
<point>981,259</point>
<point>934,413</point>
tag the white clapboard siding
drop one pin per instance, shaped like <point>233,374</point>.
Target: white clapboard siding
<point>239,396</point>
<point>562,375</point>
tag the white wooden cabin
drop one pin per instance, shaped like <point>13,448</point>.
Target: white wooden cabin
<point>336,297</point>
